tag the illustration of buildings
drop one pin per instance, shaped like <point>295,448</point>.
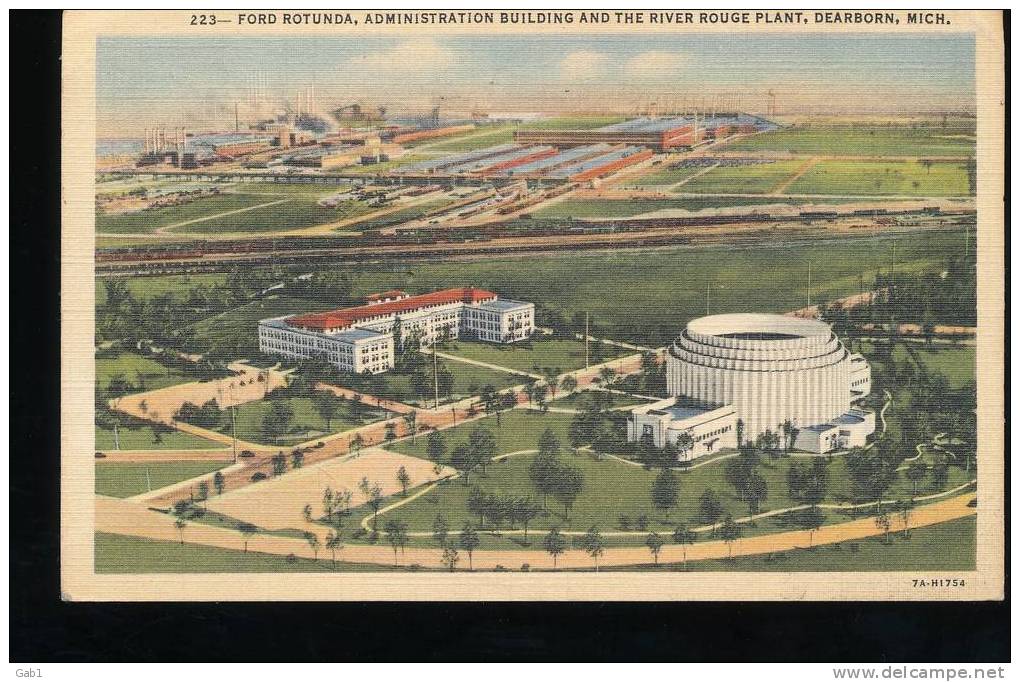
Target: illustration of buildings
<point>361,339</point>
<point>765,371</point>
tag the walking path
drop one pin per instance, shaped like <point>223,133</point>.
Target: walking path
<point>692,177</point>
<point>487,365</point>
<point>126,518</point>
<point>785,184</point>
<point>166,228</point>
<point>370,400</point>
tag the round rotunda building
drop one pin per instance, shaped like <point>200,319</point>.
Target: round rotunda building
<point>770,368</point>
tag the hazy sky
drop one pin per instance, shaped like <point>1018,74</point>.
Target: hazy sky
<point>199,79</point>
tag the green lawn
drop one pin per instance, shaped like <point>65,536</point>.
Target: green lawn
<point>127,554</point>
<point>152,219</point>
<point>905,178</point>
<point>475,140</point>
<point>141,372</point>
<point>144,439</point>
<point>178,286</point>
<point>949,546</point>
<point>761,178</point>
<point>306,424</point>
<point>562,354</point>
<point>238,327</point>
<point>297,212</point>
<point>123,479</point>
<point>861,141</point>
<point>665,176</point>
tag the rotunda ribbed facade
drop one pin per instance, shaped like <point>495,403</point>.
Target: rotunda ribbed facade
<point>770,367</point>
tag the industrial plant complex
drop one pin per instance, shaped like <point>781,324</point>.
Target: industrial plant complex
<point>767,372</point>
<point>361,339</point>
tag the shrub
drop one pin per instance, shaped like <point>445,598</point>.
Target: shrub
<point>258,476</point>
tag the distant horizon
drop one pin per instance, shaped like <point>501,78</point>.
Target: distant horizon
<point>148,81</point>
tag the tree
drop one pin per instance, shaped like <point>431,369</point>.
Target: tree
<point>279,464</point>
<point>391,432</point>
<point>482,445</point>
<point>568,384</point>
<point>180,524</point>
<point>203,490</point>
<point>313,542</point>
<point>729,532</point>
<point>709,507</point>
<point>297,458</point>
<point>461,460</point>
<point>218,482</point>
<point>812,518</point>
<point>905,512</point>
<point>435,447</point>
<point>450,558</point>
<point>757,491</point>
<point>327,404</point>
<point>683,537</point>
<point>277,420</point>
<point>884,522</point>
<point>569,484</point>
<point>665,491</point>
<point>594,545</point>
<point>307,513</point>
<point>411,423</point>
<point>469,543</point>
<point>440,530</point>
<point>526,511</point>
<point>446,381</point>
<point>248,531</point>
<point>396,533</point>
<point>555,544</point>
<point>375,501</point>
<point>740,433</point>
<point>404,479</point>
<point>654,542</point>
<point>543,472</point>
<point>334,542</point>
<point>916,472</point>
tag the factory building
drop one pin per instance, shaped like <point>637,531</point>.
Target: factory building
<point>763,370</point>
<point>361,339</point>
<point>658,133</point>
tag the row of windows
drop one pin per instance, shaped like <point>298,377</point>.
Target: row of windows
<point>711,434</point>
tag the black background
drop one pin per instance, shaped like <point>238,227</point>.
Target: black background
<point>45,629</point>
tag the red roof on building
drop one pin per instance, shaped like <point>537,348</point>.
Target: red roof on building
<point>346,317</point>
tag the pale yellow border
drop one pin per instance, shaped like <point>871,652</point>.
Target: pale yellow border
<point>78,581</point>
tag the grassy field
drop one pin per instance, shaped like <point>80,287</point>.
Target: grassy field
<point>949,546</point>
<point>297,212</point>
<point>306,424</point>
<point>143,373</point>
<point>762,278</point>
<point>666,176</point>
<point>152,219</point>
<point>126,554</point>
<point>177,286</point>
<point>751,179</point>
<point>861,141</point>
<point>121,479</point>
<point>627,485</point>
<point>241,323</point>
<point>564,355</point>
<point>905,178</point>
<point>144,439</point>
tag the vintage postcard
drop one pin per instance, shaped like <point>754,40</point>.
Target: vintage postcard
<point>516,305</point>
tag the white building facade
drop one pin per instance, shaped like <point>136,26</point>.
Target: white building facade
<point>361,339</point>
<point>773,369</point>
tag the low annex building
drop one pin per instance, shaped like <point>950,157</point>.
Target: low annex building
<point>361,339</point>
<point>763,370</point>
